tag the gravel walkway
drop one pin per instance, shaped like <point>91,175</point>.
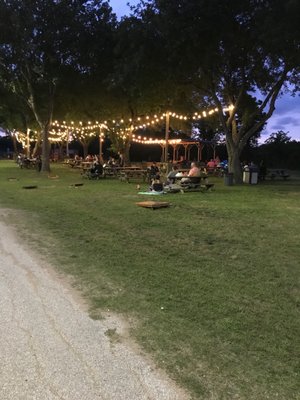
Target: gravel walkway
<point>49,347</point>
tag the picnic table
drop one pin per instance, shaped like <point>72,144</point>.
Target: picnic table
<point>180,176</point>
<point>195,183</point>
<point>278,174</point>
<point>128,173</point>
<point>73,163</point>
<point>111,170</point>
<point>86,165</point>
<point>27,162</point>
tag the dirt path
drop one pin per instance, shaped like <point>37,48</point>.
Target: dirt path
<point>49,347</point>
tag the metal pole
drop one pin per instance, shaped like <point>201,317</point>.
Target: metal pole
<point>28,143</point>
<point>100,145</point>
<point>167,136</point>
<point>67,144</point>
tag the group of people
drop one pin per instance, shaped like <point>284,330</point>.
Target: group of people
<point>184,178</point>
<point>213,163</point>
<point>97,168</point>
<point>111,162</point>
<point>26,162</point>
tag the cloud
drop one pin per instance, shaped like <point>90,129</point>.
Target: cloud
<point>286,117</point>
<point>287,103</point>
<point>287,121</point>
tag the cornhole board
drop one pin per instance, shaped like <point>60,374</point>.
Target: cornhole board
<point>153,204</point>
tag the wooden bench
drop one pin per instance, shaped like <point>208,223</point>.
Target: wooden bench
<point>127,175</point>
<point>208,186</point>
<point>73,164</point>
<point>201,188</point>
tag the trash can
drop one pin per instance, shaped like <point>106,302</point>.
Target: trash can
<point>228,179</point>
<point>254,178</point>
<point>246,176</point>
<point>250,175</point>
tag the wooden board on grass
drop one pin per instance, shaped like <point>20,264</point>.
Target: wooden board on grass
<point>153,204</point>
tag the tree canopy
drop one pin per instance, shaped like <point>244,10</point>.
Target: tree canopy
<point>73,59</point>
<point>48,49</point>
<point>244,53</point>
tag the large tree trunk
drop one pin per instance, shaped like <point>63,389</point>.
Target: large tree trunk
<point>126,154</point>
<point>45,150</point>
<point>37,146</point>
<point>43,120</point>
<point>61,147</point>
<point>234,162</point>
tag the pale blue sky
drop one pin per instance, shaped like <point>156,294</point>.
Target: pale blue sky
<point>120,6</point>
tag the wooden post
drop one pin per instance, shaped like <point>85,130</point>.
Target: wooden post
<point>67,144</point>
<point>167,136</point>
<point>28,143</point>
<point>185,152</point>
<point>100,145</point>
<point>189,152</point>
<point>162,158</point>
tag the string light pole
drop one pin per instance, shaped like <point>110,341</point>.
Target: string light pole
<point>28,143</point>
<point>167,137</point>
<point>100,144</point>
<point>67,143</point>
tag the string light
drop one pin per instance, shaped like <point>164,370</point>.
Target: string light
<point>63,131</point>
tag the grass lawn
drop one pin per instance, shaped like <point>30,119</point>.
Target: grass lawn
<point>213,281</point>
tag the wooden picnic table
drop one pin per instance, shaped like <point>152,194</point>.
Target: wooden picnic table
<point>73,163</point>
<point>273,174</point>
<point>133,173</point>
<point>85,165</point>
<point>110,171</point>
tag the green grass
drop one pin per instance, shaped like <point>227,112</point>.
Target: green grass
<point>213,281</point>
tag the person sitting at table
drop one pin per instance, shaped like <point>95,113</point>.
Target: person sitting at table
<point>38,163</point>
<point>194,172</point>
<point>111,162</point>
<point>156,186</point>
<point>89,158</point>
<point>97,169</point>
<point>77,159</point>
<point>121,159</point>
<point>96,159</point>
<point>182,162</point>
<point>211,164</point>
<point>171,177</point>
<point>153,172</point>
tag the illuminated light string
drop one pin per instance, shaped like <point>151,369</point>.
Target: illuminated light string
<point>23,138</point>
<point>139,123</point>
<point>81,132</point>
<point>145,140</point>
